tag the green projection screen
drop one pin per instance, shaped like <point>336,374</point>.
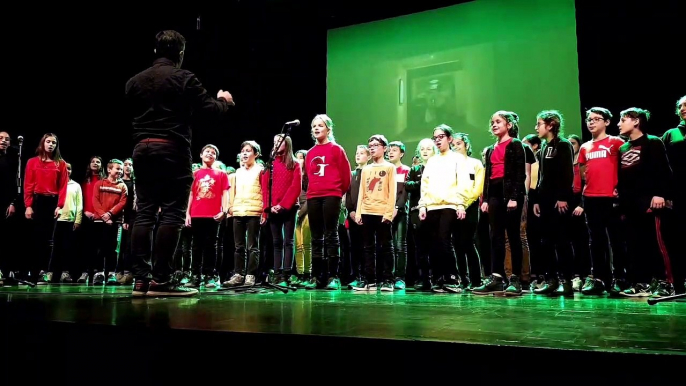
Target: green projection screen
<point>402,77</point>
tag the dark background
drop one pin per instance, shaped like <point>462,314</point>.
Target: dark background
<point>67,67</point>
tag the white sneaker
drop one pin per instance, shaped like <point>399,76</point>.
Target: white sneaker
<point>250,280</point>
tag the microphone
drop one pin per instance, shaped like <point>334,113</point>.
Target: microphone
<point>20,139</point>
<point>295,122</point>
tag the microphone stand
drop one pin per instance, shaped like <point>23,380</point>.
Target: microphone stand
<point>285,132</point>
<point>10,276</point>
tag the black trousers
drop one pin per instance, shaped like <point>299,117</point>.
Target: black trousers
<point>246,235</point>
<point>422,242</point>
<point>442,223</point>
<point>204,232</point>
<point>356,249</point>
<point>283,235</point>
<point>649,255</point>
<point>468,260</point>
<point>323,213</point>
<point>578,233</point>
<point>400,223</point>
<point>9,232</point>
<point>503,220</point>
<point>105,259</point>
<point>163,181</point>
<point>377,234</point>
<point>604,224</point>
<point>64,251</point>
<point>183,255</point>
<point>43,224</point>
<point>556,248</point>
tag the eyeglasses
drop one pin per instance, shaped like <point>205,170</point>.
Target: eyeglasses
<point>596,119</point>
<point>439,137</point>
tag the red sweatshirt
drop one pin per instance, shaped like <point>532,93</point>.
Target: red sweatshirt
<point>87,187</point>
<point>328,171</point>
<point>45,178</point>
<point>286,185</point>
<point>109,197</point>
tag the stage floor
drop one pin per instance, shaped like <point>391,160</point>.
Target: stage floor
<point>582,323</point>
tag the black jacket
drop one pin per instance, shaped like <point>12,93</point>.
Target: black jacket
<point>162,99</point>
<point>675,142</point>
<point>644,173</point>
<point>413,185</point>
<point>515,171</point>
<point>353,191</point>
<point>556,172</point>
<point>8,180</point>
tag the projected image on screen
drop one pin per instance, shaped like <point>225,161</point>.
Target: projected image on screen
<point>457,65</point>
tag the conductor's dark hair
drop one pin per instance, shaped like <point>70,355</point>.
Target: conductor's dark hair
<point>169,44</point>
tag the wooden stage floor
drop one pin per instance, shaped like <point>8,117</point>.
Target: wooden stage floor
<point>579,327</point>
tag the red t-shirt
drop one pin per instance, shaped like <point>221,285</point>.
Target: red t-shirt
<point>401,173</point>
<point>328,171</point>
<point>87,189</point>
<point>208,188</point>
<point>498,160</point>
<point>601,161</point>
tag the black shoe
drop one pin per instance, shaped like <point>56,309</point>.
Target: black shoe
<point>169,289</point>
<point>515,287</point>
<point>140,288</point>
<point>549,287</point>
<point>494,285</point>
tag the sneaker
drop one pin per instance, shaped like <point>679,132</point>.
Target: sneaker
<point>618,286</point>
<point>140,288</point>
<point>663,289</point>
<point>549,287</point>
<point>99,278</point>
<point>640,290</point>
<point>565,288</point>
<point>44,278</point>
<point>387,286</point>
<point>83,279</point>
<point>66,278</point>
<point>210,282</point>
<point>577,284</point>
<point>310,283</point>
<point>514,288</point>
<point>2,279</point>
<point>452,288</point>
<point>334,284</point>
<point>126,279</point>
<point>399,284</point>
<point>235,280</point>
<point>362,285</point>
<point>170,289</point>
<point>112,279</point>
<point>593,287</point>
<point>493,285</point>
<point>422,285</point>
<point>249,279</point>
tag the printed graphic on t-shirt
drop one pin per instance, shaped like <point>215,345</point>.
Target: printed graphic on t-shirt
<point>550,152</point>
<point>204,190</point>
<point>375,181</point>
<point>319,164</point>
<point>604,152</point>
<point>632,157</point>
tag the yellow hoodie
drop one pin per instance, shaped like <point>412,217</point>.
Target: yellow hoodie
<point>446,183</point>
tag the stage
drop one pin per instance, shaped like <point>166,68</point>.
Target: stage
<point>408,330</point>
